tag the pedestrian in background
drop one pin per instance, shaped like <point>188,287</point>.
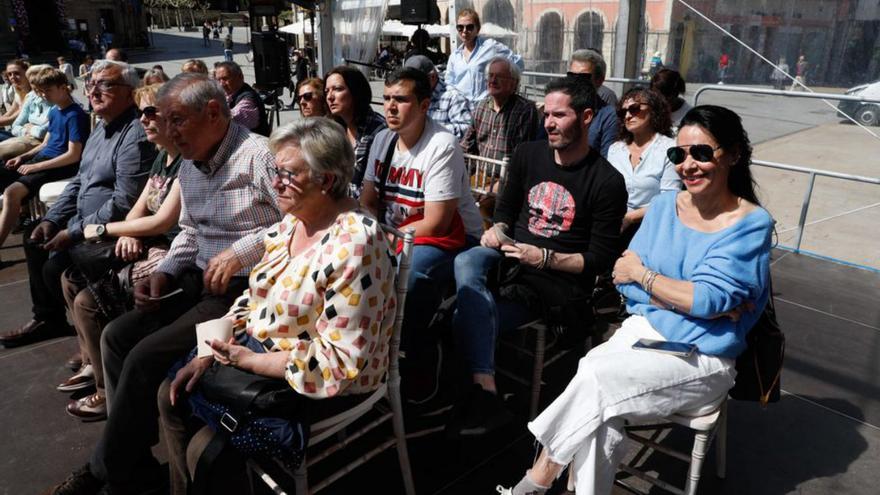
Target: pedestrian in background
<point>779,74</point>
<point>227,48</point>
<point>206,34</point>
<point>801,69</point>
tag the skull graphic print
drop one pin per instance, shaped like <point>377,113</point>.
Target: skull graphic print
<point>551,209</point>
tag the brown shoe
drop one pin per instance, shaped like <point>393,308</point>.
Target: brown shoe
<point>34,331</point>
<point>89,408</point>
<point>79,482</point>
<point>75,362</point>
<point>84,378</point>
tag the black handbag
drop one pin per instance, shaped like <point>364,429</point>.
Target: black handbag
<point>759,367</point>
<point>259,417</point>
<point>98,264</point>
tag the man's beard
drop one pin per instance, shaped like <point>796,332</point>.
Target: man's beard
<point>567,139</point>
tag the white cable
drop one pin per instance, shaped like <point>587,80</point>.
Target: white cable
<point>793,79</point>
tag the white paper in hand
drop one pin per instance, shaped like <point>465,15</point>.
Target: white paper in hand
<point>219,329</point>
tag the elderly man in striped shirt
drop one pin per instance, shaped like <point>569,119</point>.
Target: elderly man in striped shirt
<point>228,202</point>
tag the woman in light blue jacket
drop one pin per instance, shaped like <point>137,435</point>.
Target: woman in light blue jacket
<point>29,128</point>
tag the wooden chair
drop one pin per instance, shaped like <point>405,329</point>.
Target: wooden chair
<point>328,435</point>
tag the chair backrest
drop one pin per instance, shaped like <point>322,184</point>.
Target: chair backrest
<point>404,263</point>
<point>487,175</point>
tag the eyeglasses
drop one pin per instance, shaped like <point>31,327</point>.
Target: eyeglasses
<point>500,77</point>
<point>635,110</point>
<point>306,97</point>
<point>465,27</point>
<point>102,86</point>
<point>699,152</point>
<point>150,112</point>
<point>285,176</point>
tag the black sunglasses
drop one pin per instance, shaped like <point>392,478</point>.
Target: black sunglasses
<point>305,96</point>
<point>699,152</point>
<point>635,110</point>
<point>465,27</point>
<point>150,112</point>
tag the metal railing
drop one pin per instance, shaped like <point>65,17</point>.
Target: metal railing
<point>780,92</point>
<point>808,194</point>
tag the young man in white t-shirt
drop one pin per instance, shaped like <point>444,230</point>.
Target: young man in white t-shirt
<point>426,187</point>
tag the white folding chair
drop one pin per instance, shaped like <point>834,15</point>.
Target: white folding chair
<point>707,422</point>
<point>323,429</point>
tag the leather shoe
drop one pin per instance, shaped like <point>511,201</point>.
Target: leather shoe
<point>89,408</point>
<point>84,378</point>
<point>79,482</point>
<point>33,331</point>
<point>75,362</point>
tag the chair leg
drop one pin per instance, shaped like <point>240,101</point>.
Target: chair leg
<point>537,370</point>
<point>301,478</point>
<point>698,455</point>
<point>400,435</point>
<point>721,443</point>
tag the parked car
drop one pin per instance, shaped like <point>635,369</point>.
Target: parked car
<point>865,113</point>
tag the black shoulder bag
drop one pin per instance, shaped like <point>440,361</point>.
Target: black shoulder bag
<point>383,178</point>
<point>759,367</point>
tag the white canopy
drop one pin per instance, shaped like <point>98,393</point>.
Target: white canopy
<point>393,27</point>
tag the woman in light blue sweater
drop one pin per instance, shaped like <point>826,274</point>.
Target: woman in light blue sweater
<point>696,272</point>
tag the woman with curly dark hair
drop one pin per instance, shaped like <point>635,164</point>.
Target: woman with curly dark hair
<point>640,153</point>
<point>348,99</point>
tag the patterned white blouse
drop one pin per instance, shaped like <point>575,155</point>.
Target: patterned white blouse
<point>331,307</point>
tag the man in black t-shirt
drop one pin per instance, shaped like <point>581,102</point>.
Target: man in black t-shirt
<point>557,222</point>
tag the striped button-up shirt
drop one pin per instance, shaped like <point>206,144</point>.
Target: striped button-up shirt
<point>450,109</point>
<point>227,201</point>
<point>496,134</point>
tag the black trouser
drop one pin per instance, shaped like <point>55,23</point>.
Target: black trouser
<point>138,348</point>
<point>44,272</point>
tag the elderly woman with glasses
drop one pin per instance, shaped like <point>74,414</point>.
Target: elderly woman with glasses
<point>310,97</point>
<point>467,64</point>
<point>640,154</point>
<point>697,272</point>
<point>319,310</point>
<point>142,239</point>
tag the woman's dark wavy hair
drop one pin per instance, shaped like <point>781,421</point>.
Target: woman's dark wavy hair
<point>727,129</point>
<point>661,120</point>
<point>359,88</point>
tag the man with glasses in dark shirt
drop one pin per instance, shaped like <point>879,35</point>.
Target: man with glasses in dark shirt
<point>113,170</point>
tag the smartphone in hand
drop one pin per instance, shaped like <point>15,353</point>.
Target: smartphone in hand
<point>502,237</point>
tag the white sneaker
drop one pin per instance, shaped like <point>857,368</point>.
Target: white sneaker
<point>503,491</point>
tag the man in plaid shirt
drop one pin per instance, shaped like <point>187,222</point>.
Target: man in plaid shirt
<point>449,107</point>
<point>227,204</point>
<point>504,119</point>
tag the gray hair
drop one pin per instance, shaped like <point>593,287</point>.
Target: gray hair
<point>129,73</point>
<point>592,57</point>
<point>232,67</point>
<point>194,90</point>
<point>514,70</point>
<point>324,148</point>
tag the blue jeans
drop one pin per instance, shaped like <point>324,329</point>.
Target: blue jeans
<point>4,135</point>
<point>480,315</point>
<point>430,276</point>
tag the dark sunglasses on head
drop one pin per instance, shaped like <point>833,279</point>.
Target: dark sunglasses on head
<point>305,97</point>
<point>699,152</point>
<point>635,110</point>
<point>465,27</point>
<point>150,112</point>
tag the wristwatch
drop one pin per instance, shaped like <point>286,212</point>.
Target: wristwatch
<point>101,230</point>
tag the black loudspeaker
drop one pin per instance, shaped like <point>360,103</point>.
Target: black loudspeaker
<point>271,64</point>
<point>419,11</point>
